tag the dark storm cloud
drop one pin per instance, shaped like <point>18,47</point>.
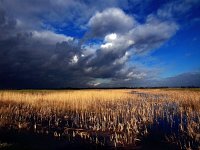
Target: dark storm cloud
<point>31,58</point>
<point>185,79</point>
<point>36,13</point>
<point>34,55</point>
<point>25,62</point>
<point>7,25</point>
<point>188,79</point>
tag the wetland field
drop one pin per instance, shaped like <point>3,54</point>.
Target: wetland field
<point>100,119</point>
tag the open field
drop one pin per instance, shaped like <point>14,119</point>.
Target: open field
<point>95,119</point>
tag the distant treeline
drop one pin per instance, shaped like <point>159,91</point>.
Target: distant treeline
<point>85,88</point>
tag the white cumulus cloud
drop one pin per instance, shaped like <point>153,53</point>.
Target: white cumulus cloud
<point>111,20</point>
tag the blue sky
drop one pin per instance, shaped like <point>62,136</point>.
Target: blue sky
<point>86,43</point>
<point>180,53</point>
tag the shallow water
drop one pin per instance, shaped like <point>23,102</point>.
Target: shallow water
<point>99,130</point>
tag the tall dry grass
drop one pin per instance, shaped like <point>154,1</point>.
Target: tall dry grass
<point>105,117</point>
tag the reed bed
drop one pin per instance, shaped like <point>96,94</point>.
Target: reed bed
<point>112,118</point>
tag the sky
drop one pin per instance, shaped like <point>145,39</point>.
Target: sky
<point>102,43</point>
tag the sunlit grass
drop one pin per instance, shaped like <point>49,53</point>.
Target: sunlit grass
<point>105,117</point>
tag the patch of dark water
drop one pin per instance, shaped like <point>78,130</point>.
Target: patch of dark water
<point>23,140</point>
